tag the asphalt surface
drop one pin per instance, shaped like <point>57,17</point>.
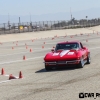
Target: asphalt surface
<point>39,84</point>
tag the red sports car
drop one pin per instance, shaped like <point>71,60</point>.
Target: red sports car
<point>67,53</point>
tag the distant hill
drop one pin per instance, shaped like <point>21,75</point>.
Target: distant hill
<point>91,13</point>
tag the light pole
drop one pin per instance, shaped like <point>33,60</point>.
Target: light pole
<point>71,15</point>
<point>30,17</point>
<point>8,19</point>
<point>19,20</point>
<point>86,20</point>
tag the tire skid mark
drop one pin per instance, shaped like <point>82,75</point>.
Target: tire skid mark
<point>59,84</point>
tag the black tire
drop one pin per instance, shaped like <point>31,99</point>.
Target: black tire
<point>88,59</point>
<point>81,64</point>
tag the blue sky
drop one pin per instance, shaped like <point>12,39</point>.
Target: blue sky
<point>38,7</point>
<point>43,10</point>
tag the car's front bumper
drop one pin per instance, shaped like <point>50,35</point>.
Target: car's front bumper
<point>62,62</point>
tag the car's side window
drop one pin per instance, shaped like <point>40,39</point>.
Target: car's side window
<point>57,46</point>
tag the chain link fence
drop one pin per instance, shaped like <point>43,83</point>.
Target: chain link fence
<point>8,28</point>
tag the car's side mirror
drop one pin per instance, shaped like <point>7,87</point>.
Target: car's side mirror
<point>52,50</point>
<point>84,47</point>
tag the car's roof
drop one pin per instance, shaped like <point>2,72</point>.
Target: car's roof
<point>68,42</point>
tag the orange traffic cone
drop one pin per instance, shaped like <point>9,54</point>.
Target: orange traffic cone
<point>2,72</point>
<point>30,50</point>
<point>86,40</point>
<point>20,75</point>
<point>71,36</point>
<point>12,47</point>
<point>12,77</point>
<point>26,47</point>
<point>42,46</point>
<point>24,57</point>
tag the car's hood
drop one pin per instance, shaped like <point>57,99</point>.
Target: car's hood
<point>62,54</point>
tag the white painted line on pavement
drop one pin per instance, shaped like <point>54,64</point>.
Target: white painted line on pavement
<point>13,54</point>
<point>4,75</point>
<point>20,60</point>
<point>14,76</point>
<point>50,43</point>
<point>22,48</point>
<point>5,81</point>
<point>95,48</point>
<point>34,51</point>
<point>25,52</point>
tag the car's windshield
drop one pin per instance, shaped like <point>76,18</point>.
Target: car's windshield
<point>67,46</point>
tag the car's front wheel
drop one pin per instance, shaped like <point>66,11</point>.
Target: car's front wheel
<point>88,59</point>
<point>81,63</point>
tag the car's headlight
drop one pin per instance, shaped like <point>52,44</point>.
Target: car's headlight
<point>78,58</point>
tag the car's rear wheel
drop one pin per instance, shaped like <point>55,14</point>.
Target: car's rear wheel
<point>81,63</point>
<point>88,59</point>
